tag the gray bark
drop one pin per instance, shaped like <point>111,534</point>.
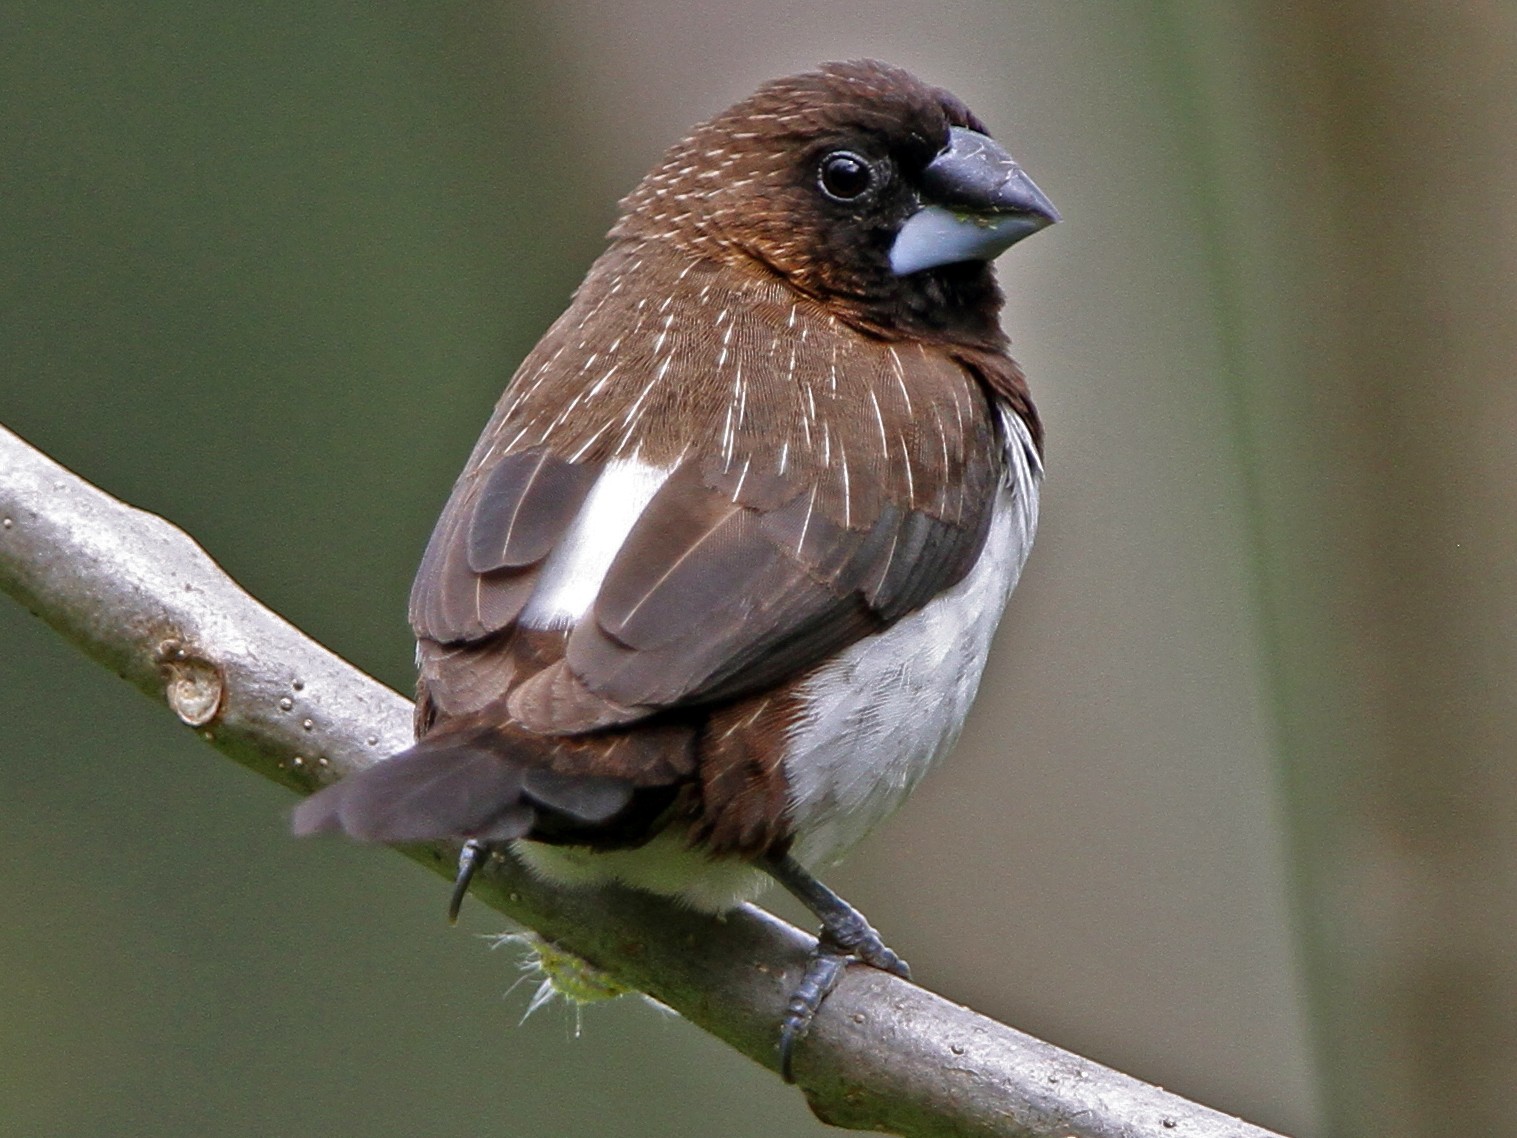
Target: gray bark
<point>141,597</point>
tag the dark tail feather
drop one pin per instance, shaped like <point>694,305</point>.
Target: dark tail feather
<point>455,790</point>
<point>456,787</point>
<point>590,799</point>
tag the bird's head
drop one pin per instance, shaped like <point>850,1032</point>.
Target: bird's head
<point>861,186</point>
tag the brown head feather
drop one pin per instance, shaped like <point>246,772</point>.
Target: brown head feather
<point>742,188</point>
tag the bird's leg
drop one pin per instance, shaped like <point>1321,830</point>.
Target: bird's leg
<point>844,930</point>
<point>845,936</point>
<point>473,855</point>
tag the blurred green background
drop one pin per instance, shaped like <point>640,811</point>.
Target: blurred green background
<point>1236,809</point>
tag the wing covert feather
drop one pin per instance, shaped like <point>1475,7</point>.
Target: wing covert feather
<point>501,522</point>
<point>526,502</point>
<point>709,599</point>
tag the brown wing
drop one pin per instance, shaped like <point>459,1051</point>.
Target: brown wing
<point>824,484</point>
<point>500,524</point>
<point>710,599</point>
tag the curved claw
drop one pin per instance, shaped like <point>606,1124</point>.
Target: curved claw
<point>845,936</point>
<point>851,935</point>
<point>470,858</point>
<point>823,971</point>
<point>871,950</point>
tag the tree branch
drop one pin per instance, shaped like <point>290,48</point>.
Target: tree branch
<point>139,596</point>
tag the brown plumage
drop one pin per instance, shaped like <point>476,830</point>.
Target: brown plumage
<point>809,446</point>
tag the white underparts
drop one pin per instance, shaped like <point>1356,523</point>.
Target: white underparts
<point>888,707</point>
<point>878,716</point>
<point>571,577</point>
<point>666,865</point>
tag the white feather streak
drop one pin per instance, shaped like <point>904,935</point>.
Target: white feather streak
<point>573,572</point>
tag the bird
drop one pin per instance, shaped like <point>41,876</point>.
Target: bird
<point>717,584</point>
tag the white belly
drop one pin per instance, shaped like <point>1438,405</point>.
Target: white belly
<point>892,704</point>
<point>879,716</point>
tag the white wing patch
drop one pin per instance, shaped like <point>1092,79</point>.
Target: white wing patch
<point>571,576</point>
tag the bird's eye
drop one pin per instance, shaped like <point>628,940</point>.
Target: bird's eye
<point>845,176</point>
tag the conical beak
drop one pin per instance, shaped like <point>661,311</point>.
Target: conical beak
<point>977,203</point>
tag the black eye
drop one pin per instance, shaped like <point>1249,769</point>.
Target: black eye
<point>845,176</point>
